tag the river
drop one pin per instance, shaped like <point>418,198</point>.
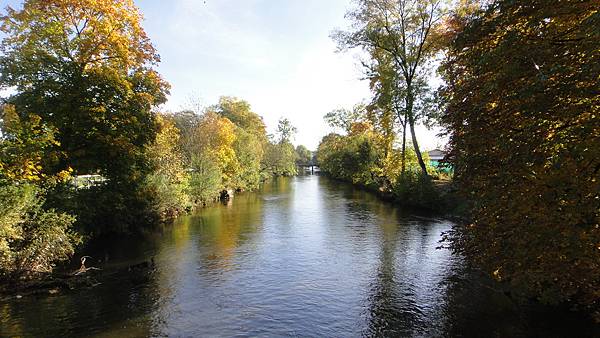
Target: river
<point>304,256</point>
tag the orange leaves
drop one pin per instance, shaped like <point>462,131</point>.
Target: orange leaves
<point>91,33</point>
<point>526,141</point>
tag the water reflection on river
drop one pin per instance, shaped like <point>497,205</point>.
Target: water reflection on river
<point>303,257</point>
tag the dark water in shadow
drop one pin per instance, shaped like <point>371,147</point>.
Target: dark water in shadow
<point>303,257</point>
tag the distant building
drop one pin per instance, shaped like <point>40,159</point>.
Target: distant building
<point>436,156</point>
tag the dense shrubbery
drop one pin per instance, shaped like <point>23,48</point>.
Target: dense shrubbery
<point>354,158</point>
<point>32,239</point>
<point>413,188</point>
<point>362,157</point>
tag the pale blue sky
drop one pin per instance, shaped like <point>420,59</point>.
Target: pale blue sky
<point>276,54</point>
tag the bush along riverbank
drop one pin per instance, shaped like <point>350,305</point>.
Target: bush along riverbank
<point>365,157</point>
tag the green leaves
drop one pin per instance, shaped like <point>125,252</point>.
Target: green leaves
<point>82,67</point>
<point>403,39</point>
<point>32,240</point>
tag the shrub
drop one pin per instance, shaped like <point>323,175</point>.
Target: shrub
<point>415,189</point>
<point>32,239</point>
<point>205,179</point>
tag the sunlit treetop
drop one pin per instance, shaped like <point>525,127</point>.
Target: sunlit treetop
<point>89,33</point>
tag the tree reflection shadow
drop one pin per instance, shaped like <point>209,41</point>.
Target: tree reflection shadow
<point>121,304</point>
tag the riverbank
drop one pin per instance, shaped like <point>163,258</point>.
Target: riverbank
<point>438,196</point>
<point>305,256</point>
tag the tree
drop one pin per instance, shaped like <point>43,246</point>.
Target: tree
<point>285,131</point>
<point>84,67</point>
<point>240,113</point>
<point>354,157</point>
<point>250,150</point>
<point>280,155</point>
<point>214,139</point>
<point>24,146</point>
<point>32,239</point>
<point>303,155</point>
<point>405,31</point>
<point>280,159</point>
<point>205,179</point>
<point>522,112</point>
<point>386,109</point>
<point>185,121</point>
<point>167,181</point>
<point>343,119</point>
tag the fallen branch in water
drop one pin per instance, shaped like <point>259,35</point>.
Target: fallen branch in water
<point>83,268</point>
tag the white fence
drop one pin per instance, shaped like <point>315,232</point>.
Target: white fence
<point>87,181</point>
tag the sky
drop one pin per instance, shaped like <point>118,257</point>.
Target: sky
<point>275,54</point>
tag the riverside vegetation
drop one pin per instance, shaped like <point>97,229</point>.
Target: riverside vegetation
<point>85,101</point>
<point>518,102</point>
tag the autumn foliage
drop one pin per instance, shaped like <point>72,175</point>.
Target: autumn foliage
<point>524,120</point>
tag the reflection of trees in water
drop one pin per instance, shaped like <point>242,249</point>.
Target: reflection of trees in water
<point>276,185</point>
<point>121,306</point>
<point>406,294</point>
<point>475,306</point>
<point>221,230</point>
<point>392,310</point>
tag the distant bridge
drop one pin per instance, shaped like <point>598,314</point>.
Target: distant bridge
<point>309,167</point>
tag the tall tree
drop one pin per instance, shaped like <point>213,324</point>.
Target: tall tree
<point>303,155</point>
<point>280,155</point>
<point>343,118</point>
<point>405,30</point>
<point>524,119</point>
<point>214,139</point>
<point>251,139</point>
<point>85,68</point>
<point>240,113</point>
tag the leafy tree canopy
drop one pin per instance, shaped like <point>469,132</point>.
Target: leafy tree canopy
<point>524,119</point>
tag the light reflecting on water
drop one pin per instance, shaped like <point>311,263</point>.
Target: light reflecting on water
<point>306,256</point>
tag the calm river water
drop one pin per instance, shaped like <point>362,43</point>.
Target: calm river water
<point>305,256</point>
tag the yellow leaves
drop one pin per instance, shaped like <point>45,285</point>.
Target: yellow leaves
<point>89,32</point>
<point>360,128</point>
<point>64,175</point>
<point>492,105</point>
<point>21,152</point>
<point>215,136</point>
<point>26,170</point>
<point>497,275</point>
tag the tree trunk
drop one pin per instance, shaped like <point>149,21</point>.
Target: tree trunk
<point>404,146</point>
<point>411,122</point>
<point>416,145</point>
